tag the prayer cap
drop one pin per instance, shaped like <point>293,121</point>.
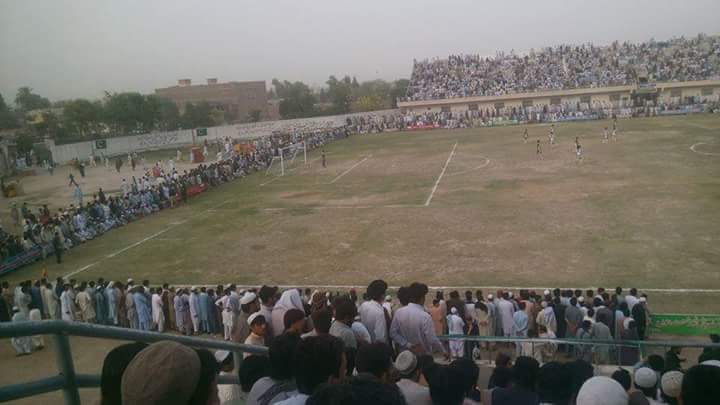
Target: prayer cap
<point>15,309</point>
<point>671,382</point>
<point>406,362</point>
<point>642,299</point>
<point>602,391</point>
<point>248,298</point>
<point>645,377</point>
<point>193,288</point>
<point>581,299</point>
<point>252,317</point>
<point>453,310</point>
<point>490,296</point>
<point>714,363</point>
<point>546,292</point>
<point>162,373</point>
<point>130,280</point>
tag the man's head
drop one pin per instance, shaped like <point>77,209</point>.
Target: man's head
<point>646,381</point>
<point>249,303</point>
<point>700,385</point>
<point>322,320</point>
<point>417,293</point>
<point>376,290</point>
<point>318,360</point>
<point>553,384</point>
<point>407,365</point>
<point>375,359</point>
<point>268,295</point>
<point>345,311</point>
<point>258,323</point>
<point>602,391</point>
<point>294,320</point>
<point>168,372</point>
<point>623,377</point>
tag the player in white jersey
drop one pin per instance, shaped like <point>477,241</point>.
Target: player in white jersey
<point>551,135</point>
<point>614,134</point>
<point>525,135</point>
<point>605,135</point>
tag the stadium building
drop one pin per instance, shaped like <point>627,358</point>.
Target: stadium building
<point>238,99</point>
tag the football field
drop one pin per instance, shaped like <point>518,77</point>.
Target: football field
<point>466,207</point>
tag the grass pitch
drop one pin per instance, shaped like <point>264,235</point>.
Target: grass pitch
<point>643,211</point>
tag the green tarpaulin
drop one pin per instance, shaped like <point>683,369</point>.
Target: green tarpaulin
<point>685,324</point>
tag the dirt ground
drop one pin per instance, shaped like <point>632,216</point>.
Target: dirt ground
<point>643,211</point>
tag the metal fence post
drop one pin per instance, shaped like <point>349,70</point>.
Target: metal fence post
<point>66,369</point>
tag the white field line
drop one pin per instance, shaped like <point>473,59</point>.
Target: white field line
<point>487,162</point>
<point>340,176</point>
<point>292,170</point>
<point>437,182</point>
<point>692,148</point>
<point>140,242</point>
<point>487,289</point>
<point>268,182</point>
<point>334,207</point>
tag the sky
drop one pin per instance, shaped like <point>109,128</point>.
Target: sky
<point>67,49</point>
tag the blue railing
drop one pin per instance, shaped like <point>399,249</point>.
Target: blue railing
<point>68,381</point>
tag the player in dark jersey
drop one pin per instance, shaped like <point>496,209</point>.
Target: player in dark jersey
<point>538,150</point>
<point>323,158</point>
<point>525,136</point>
<point>578,149</point>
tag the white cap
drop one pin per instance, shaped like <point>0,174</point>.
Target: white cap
<point>602,391</point>
<point>193,288</point>
<point>254,315</point>
<point>714,363</point>
<point>490,296</point>
<point>221,355</point>
<point>546,292</point>
<point>581,299</point>
<point>130,281</point>
<point>645,377</point>
<point>406,362</point>
<point>248,298</point>
<point>453,310</point>
<point>671,382</point>
<point>642,299</point>
<point>510,294</point>
<point>388,298</point>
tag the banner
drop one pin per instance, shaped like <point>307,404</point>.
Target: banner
<point>685,324</point>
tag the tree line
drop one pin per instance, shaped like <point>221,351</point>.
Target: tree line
<point>339,96</point>
<point>117,114</point>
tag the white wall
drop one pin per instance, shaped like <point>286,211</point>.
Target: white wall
<point>168,140</point>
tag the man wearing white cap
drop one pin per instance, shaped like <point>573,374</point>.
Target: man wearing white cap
<point>456,326</point>
<point>640,314</point>
<point>602,391</point>
<point>492,314</point>
<point>645,380</point>
<point>227,314</point>
<point>414,393</point>
<point>248,306</point>
<point>66,304</point>
<point>227,392</point>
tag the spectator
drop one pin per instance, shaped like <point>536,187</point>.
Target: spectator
<point>168,372</point>
<point>279,385</point>
<point>623,377</point>
<point>646,382</point>
<point>553,387</point>
<point>469,372</point>
<point>407,366</point>
<point>670,385</point>
<point>294,321</point>
<point>412,327</point>
<point>523,389</point>
<point>258,328</point>
<point>372,314</point>
<point>317,360</point>
<point>322,321</point>
<point>227,392</point>
<point>289,299</point>
<point>252,369</point>
<point>345,312</point>
<point>700,385</point>
<point>602,391</point>
<point>114,365</point>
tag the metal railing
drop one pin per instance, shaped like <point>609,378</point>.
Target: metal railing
<point>68,380</point>
<point>614,347</point>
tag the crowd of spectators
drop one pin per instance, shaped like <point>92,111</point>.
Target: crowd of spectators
<point>338,347</point>
<point>566,67</point>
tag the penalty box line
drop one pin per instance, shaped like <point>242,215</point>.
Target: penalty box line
<point>442,173</point>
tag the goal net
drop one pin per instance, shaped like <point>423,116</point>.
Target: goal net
<point>287,159</point>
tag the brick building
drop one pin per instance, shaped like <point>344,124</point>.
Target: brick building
<point>237,99</point>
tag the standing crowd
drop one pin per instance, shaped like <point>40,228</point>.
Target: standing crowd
<point>326,347</point>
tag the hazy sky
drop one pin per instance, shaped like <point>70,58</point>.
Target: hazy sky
<point>79,48</point>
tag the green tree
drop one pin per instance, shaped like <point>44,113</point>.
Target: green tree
<point>82,117</point>
<point>128,113</point>
<point>298,100</point>
<point>7,117</point>
<point>340,93</point>
<point>398,90</point>
<point>26,100</point>
<point>24,142</point>
<point>197,116</point>
<point>166,113</point>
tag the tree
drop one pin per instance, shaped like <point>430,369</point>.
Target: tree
<point>298,100</point>
<point>26,100</point>
<point>166,113</point>
<point>128,113</point>
<point>24,142</point>
<point>82,117</point>
<point>7,117</point>
<point>340,93</point>
<point>197,116</point>
<point>398,90</point>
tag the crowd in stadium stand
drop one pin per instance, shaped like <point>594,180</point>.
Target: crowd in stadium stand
<point>337,347</point>
<point>566,67</point>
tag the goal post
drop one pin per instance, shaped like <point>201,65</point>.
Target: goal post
<point>286,159</point>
